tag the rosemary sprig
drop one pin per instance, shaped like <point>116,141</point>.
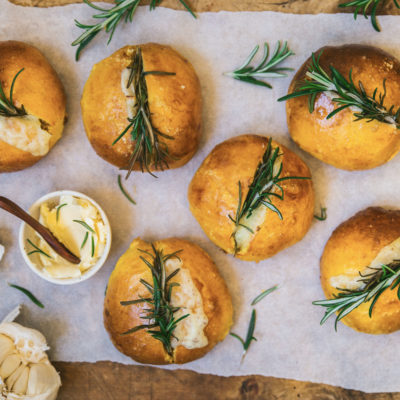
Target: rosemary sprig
<point>323,215</point>
<point>367,7</point>
<point>160,313</point>
<point>93,247</point>
<point>263,294</point>
<point>37,249</point>
<point>110,18</point>
<point>263,188</point>
<point>85,240</point>
<point>7,106</point>
<point>250,334</point>
<point>267,68</point>
<point>347,94</point>
<point>374,283</point>
<point>124,192</point>
<point>84,224</point>
<point>148,149</point>
<point>28,294</point>
<point>58,210</point>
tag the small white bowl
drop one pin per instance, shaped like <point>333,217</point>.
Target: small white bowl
<point>26,232</point>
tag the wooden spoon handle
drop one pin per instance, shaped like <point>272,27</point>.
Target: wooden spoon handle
<point>58,247</point>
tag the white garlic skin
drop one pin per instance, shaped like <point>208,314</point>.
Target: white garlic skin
<point>25,370</point>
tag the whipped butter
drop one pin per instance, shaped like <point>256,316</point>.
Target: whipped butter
<point>25,133</point>
<point>77,224</point>
<point>189,332</point>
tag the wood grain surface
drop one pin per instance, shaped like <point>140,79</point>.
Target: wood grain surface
<point>290,6</point>
<point>112,381</point>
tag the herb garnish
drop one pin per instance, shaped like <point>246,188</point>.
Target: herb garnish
<point>37,249</point>
<point>367,7</point>
<point>28,294</point>
<point>124,192</point>
<point>7,106</point>
<point>148,149</point>
<point>111,17</point>
<point>323,215</point>
<point>267,68</point>
<point>84,224</point>
<point>93,246</point>
<point>266,179</point>
<point>58,210</point>
<point>250,332</point>
<point>160,313</point>
<point>85,240</point>
<point>264,294</point>
<point>374,284</point>
<point>347,95</point>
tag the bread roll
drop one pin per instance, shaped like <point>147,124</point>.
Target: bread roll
<point>202,294</point>
<point>214,197</point>
<point>341,140</point>
<point>369,238</point>
<point>174,102</point>
<point>25,140</point>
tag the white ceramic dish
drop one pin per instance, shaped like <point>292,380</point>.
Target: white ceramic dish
<point>26,232</point>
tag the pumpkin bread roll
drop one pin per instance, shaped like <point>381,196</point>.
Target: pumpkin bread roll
<point>147,94</point>
<point>253,197</point>
<point>352,262</point>
<point>33,113</point>
<point>342,140</point>
<point>196,302</point>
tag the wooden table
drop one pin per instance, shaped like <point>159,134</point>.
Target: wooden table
<point>112,381</point>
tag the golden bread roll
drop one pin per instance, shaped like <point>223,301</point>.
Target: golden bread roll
<point>368,239</point>
<point>214,197</point>
<point>341,140</point>
<point>26,139</point>
<point>174,103</point>
<point>202,294</point>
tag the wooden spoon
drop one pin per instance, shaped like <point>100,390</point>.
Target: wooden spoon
<point>45,233</point>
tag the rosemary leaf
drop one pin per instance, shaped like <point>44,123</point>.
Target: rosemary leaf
<point>160,311</point>
<point>7,106</point>
<point>37,249</point>
<point>84,224</point>
<point>323,215</point>
<point>347,94</point>
<point>85,240</point>
<point>28,294</point>
<point>124,192</point>
<point>122,10</point>
<point>367,7</point>
<point>250,334</point>
<point>263,294</point>
<point>93,246</point>
<point>58,210</point>
<point>149,151</point>
<point>372,285</point>
<point>267,68</point>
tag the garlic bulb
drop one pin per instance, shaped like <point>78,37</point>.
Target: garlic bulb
<point>25,370</point>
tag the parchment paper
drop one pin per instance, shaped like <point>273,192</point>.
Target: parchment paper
<point>291,344</point>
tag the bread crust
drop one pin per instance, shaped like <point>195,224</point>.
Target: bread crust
<point>41,92</point>
<point>175,104</point>
<point>213,196</point>
<point>353,245</point>
<point>341,141</point>
<point>124,285</point>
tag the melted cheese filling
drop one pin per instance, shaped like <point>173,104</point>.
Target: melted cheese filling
<point>129,92</point>
<point>87,245</point>
<point>190,331</point>
<point>351,281</point>
<point>243,236</point>
<point>25,133</point>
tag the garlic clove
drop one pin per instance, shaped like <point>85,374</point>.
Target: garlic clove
<point>18,380</point>
<point>42,378</point>
<point>9,365</point>
<point>6,347</point>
